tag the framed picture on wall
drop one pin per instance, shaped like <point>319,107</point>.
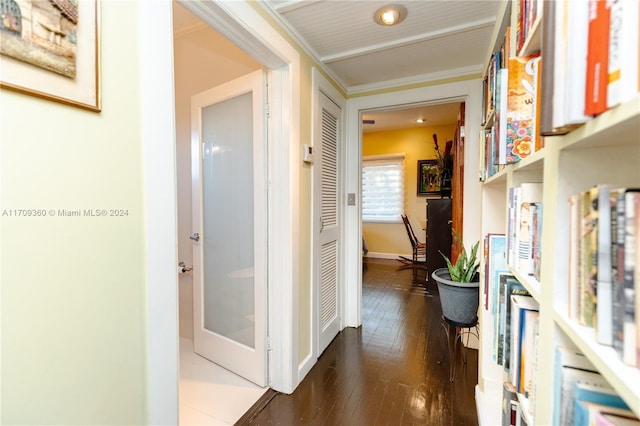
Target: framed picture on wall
<point>51,49</point>
<point>428,177</point>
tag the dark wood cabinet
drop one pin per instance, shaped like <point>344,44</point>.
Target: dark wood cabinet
<point>438,233</point>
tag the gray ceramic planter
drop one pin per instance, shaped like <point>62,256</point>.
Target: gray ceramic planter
<point>459,300</point>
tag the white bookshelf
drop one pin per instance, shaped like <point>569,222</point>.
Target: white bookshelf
<point>605,150</point>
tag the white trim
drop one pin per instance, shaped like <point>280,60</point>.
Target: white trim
<point>418,38</point>
<point>267,6</point>
<point>469,72</point>
<point>155,40</point>
<point>383,157</point>
<point>306,365</point>
<point>468,91</point>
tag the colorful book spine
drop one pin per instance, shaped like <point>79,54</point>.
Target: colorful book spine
<point>520,114</point>
<point>597,57</point>
<point>587,289</point>
<point>574,257</point>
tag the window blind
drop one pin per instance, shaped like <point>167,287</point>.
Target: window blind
<point>382,188</point>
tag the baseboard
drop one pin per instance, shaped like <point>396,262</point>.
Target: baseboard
<point>392,256</point>
<point>305,366</point>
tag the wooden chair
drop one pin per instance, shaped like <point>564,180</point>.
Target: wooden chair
<point>419,249</point>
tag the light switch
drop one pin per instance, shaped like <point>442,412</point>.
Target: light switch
<point>351,199</point>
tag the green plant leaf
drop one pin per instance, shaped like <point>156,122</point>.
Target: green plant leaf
<point>466,265</point>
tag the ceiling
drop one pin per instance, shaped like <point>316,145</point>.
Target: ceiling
<point>439,39</point>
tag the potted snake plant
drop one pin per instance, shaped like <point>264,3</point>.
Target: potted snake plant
<point>459,285</point>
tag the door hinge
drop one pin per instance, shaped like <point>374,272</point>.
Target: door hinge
<point>267,110</point>
<point>268,343</point>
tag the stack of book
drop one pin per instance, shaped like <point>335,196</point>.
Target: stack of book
<point>604,249</point>
<point>591,60</point>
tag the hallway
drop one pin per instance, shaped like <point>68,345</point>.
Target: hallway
<point>385,372</point>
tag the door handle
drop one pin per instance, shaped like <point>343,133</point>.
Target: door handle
<point>195,236</point>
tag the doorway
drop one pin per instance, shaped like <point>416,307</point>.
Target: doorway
<point>456,92</point>
<point>205,57</point>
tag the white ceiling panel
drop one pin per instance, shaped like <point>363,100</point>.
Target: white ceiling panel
<point>436,36</point>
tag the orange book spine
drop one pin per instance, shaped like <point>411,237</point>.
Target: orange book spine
<point>597,57</point>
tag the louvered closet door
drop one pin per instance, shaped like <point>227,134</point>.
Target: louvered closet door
<point>327,249</point>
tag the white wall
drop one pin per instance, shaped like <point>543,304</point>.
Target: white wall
<point>73,288</point>
<point>202,59</point>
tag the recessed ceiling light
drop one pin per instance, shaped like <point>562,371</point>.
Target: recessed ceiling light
<point>390,15</point>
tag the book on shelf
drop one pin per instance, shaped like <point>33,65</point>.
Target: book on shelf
<point>529,11</point>
<point>500,142</point>
<point>586,412</point>
<point>499,318</point>
<point>519,247</point>
<point>537,105</point>
<point>569,72</point>
<point>624,232</point>
<point>574,257</point>
<point>495,260</point>
<point>600,393</point>
<point>601,246</point>
<point>529,353</point>
<point>637,274</point>
<point>536,239</point>
<point>570,368</point>
<point>509,405</point>
<point>630,324</point>
<point>577,19</point>
<point>623,78</point>
<point>606,418</point>
<point>587,270</point>
<point>520,129</point>
<point>524,237</point>
<point>597,57</point>
<point>547,71</point>
<point>617,269</point>
<point>521,333</point>
<point>511,286</point>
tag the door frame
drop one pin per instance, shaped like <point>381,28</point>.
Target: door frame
<point>245,27</point>
<point>467,91</point>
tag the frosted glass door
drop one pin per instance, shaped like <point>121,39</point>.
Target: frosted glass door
<point>229,323</point>
<point>227,197</point>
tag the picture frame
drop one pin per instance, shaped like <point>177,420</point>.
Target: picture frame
<point>428,177</point>
<point>52,51</point>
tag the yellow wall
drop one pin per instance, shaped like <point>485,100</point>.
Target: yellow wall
<point>390,239</point>
<point>73,288</point>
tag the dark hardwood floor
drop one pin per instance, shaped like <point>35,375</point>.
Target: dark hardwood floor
<point>385,372</point>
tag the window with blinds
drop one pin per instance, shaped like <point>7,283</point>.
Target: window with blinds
<point>383,188</point>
